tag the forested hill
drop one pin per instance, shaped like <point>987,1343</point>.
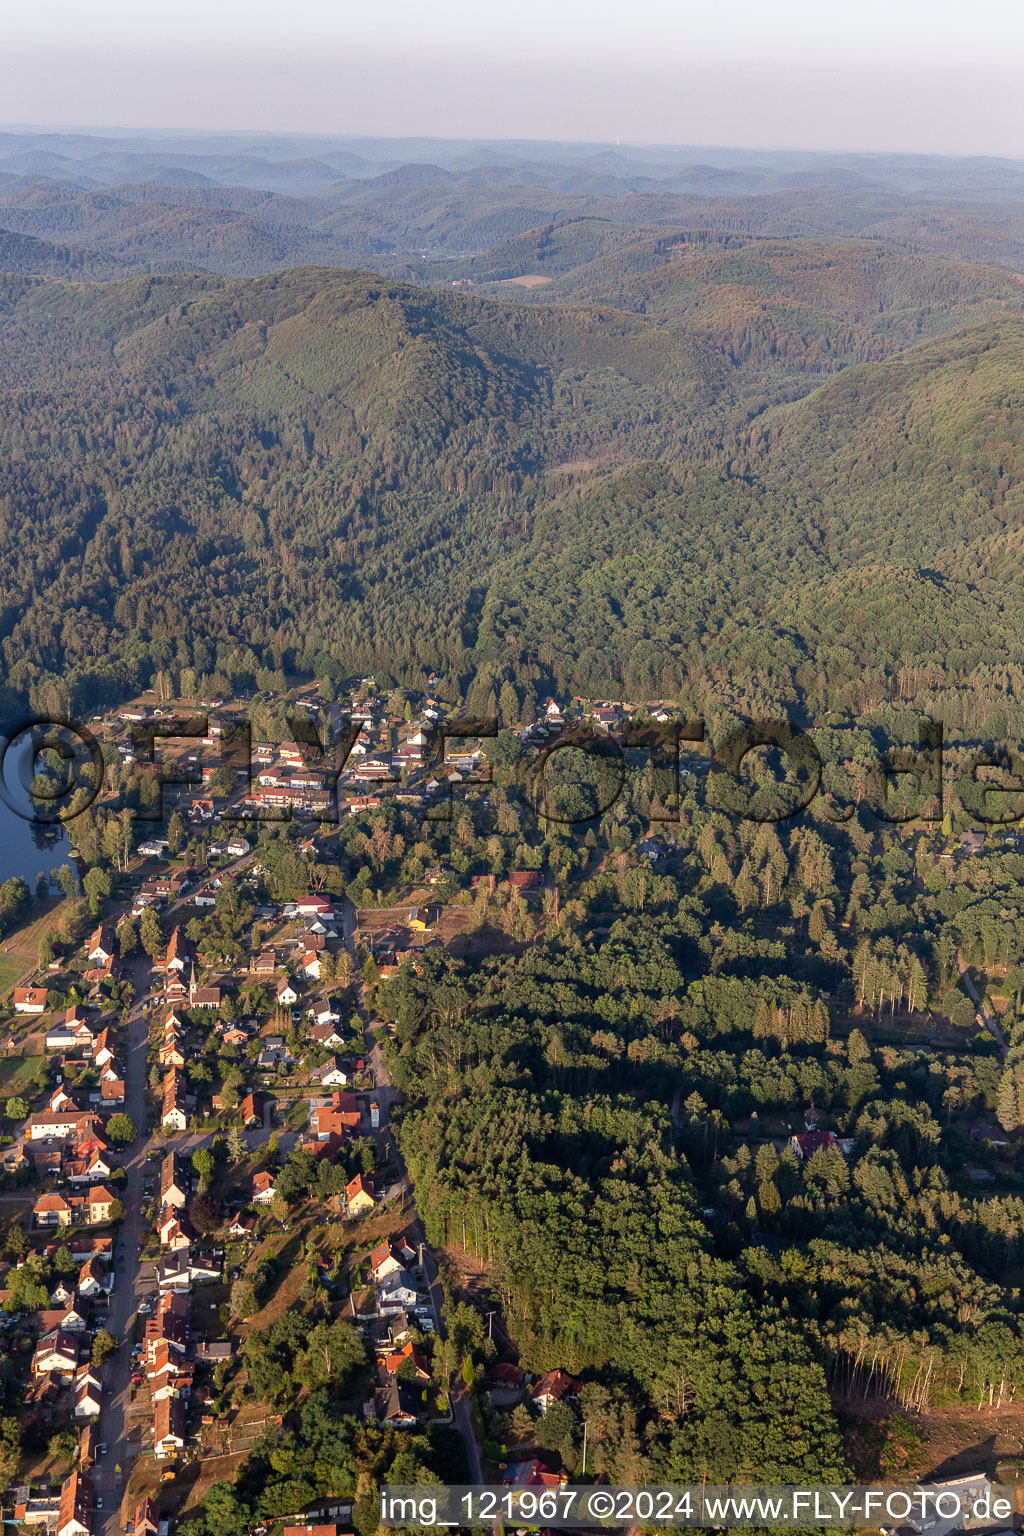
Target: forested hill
<point>772,307</point>
<point>24,254</point>
<point>862,535</point>
<point>323,470</point>
<point>288,450</point>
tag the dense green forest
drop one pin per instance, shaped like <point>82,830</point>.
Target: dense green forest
<point>590,1117</point>
<point>227,477</point>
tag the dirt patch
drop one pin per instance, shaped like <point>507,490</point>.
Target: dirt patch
<point>957,1440</point>
<point>528,280</point>
<point>212,1469</point>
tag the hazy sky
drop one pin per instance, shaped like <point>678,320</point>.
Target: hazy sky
<point>939,75</point>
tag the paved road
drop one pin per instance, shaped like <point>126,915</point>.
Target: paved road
<point>989,1020</point>
<point>134,1278</point>
<point>385,1093</point>
<point>131,1279</point>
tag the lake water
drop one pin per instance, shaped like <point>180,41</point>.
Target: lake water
<point>27,847</point>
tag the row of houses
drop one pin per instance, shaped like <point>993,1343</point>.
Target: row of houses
<point>402,1368</point>
<point>94,1207</point>
<point>93,1041</point>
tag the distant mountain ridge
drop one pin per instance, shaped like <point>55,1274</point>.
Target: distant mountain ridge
<point>395,205</point>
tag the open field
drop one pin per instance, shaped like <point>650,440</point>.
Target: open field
<point>11,970</point>
<point>18,1075</point>
<point>23,942</point>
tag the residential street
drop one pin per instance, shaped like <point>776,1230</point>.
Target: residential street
<point>129,1277</point>
<point>135,1278</point>
<point>385,1093</point>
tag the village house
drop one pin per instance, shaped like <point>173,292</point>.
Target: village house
<point>100,1203</point>
<point>68,1317</point>
<point>73,1033</point>
<point>30,999</point>
<point>398,1404</point>
<point>50,1124</point>
<point>168,1373</point>
<point>337,1118</point>
<point>390,1256</point>
<point>393,1362</point>
<point>170,1325</point>
<point>93,1278</point>
<point>172,1273</point>
<point>554,1387</point>
<point>275,1054</point>
<point>359,1195</point>
<point>91,1169</point>
<point>74,1514</point>
<point>262,1188</point>
<point>173,1114</point>
<point>174,1230</point>
<point>179,954</point>
<point>397,1293</point>
<point>331,1074</point>
<point>82,1248</point>
<point>147,1519</point>
<point>168,1428</point>
<point>324,1033</point>
<point>87,1442</point>
<point>102,945</point>
<point>52,1210</point>
<point>174,1182</point>
<point>103,1048</point>
<point>807,1143</point>
<point>310,965</point>
<point>88,1392</point>
<point>532,1474</point>
<point>251,1110</point>
<point>171,1053</point>
<point>56,1352</point>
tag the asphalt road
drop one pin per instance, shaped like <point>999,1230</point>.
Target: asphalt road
<point>131,1283</point>
<point>385,1092</point>
<point>135,1278</point>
